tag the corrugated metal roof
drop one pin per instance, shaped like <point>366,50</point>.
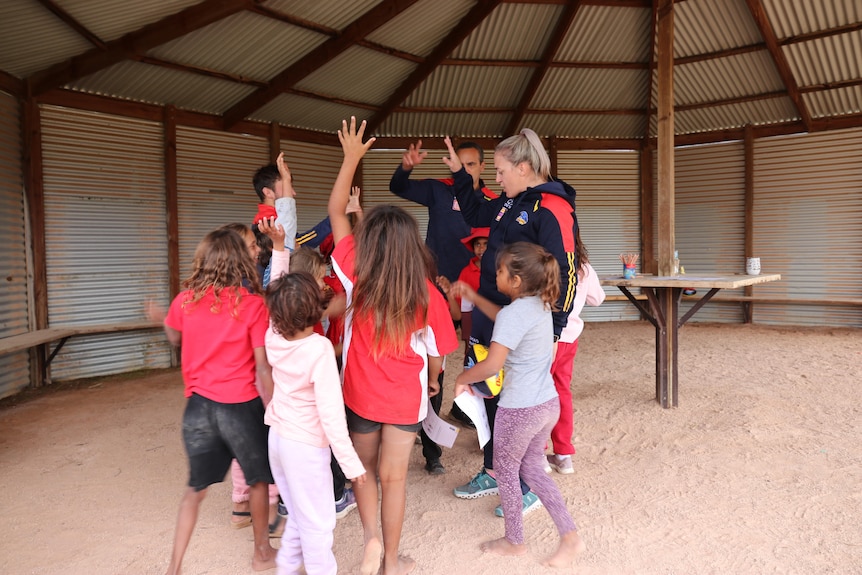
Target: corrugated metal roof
<point>111,20</point>
<point>501,35</point>
<point>360,75</point>
<point>756,113</point>
<point>157,85</point>
<point>313,114</point>
<point>464,86</point>
<point>336,14</point>
<point>592,88</point>
<point>724,78</point>
<point>826,60</point>
<point>794,17</point>
<point>607,34</point>
<point>706,27</point>
<point>438,17</point>
<point>585,125</point>
<point>245,44</point>
<point>445,124</point>
<point>834,102</point>
<point>21,23</point>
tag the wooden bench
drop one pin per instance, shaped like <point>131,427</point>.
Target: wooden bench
<point>42,339</point>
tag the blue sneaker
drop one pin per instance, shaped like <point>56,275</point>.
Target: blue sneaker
<point>480,486</point>
<point>346,504</point>
<point>531,503</point>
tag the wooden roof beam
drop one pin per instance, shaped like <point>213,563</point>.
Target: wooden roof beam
<point>329,50</point>
<point>457,35</point>
<point>557,36</point>
<point>72,23</point>
<point>137,42</point>
<point>762,22</point>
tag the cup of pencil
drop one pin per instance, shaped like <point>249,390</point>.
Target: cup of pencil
<point>630,265</point>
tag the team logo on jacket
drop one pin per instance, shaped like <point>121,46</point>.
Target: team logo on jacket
<point>504,209</point>
<point>522,218</point>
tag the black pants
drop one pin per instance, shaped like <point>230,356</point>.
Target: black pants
<point>338,478</point>
<point>431,450</point>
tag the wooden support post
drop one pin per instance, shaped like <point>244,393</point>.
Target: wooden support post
<point>748,143</point>
<point>172,199</point>
<point>34,186</point>
<point>648,262</point>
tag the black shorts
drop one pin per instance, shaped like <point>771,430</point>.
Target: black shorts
<point>358,424</point>
<point>215,433</point>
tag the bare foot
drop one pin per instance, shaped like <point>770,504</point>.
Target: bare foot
<point>371,557</point>
<point>571,545</point>
<point>502,546</point>
<point>264,558</point>
<point>405,566</point>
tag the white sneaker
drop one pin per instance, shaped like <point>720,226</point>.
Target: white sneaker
<point>561,464</point>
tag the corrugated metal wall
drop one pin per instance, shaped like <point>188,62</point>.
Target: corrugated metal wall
<point>808,225</point>
<point>105,236</point>
<point>14,298</point>
<point>314,168</point>
<point>214,181</point>
<point>710,219</point>
<point>608,208</point>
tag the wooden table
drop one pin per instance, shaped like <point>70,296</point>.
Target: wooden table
<point>663,296</point>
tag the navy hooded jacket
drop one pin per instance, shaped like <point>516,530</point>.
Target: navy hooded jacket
<point>544,215</point>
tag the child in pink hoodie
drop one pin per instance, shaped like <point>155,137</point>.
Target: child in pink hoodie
<point>306,417</point>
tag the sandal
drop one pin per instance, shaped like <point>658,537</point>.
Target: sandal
<point>276,528</point>
<point>242,523</point>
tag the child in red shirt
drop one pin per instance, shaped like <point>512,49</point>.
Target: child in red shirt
<point>396,331</point>
<point>221,325</point>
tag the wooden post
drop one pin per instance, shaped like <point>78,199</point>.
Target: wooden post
<point>666,215</point>
<point>171,199</point>
<point>274,141</point>
<point>748,142</point>
<point>34,186</point>
<point>648,262</point>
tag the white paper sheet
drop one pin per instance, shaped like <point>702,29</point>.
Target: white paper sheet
<point>474,407</point>
<point>441,432</point>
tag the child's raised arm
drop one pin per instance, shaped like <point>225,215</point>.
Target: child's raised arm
<point>486,306</point>
<point>285,206</point>
<point>354,149</point>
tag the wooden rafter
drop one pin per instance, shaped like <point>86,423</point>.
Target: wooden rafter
<point>762,22</point>
<point>72,23</point>
<point>554,42</point>
<point>457,35</point>
<point>287,78</point>
<point>137,42</point>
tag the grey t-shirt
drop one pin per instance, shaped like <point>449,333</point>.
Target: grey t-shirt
<point>526,327</point>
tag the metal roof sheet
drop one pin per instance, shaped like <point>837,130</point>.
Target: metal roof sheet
<point>335,14</point>
<point>360,75</point>
<point>438,17</point>
<point>725,78</point>
<point>465,86</point>
<point>607,34</point>
<point>475,125</point>
<point>310,113</point>
<point>501,35</point>
<point>245,44</point>
<point>154,84</point>
<point>112,20</point>
<point>586,125</point>
<point>592,88</point>
<point>826,60</point>
<point>21,24</point>
<point>794,17</point>
<point>706,27</point>
<point>834,102</point>
<point>759,112</point>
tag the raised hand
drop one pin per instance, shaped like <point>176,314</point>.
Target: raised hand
<point>286,177</point>
<point>453,161</point>
<point>351,139</point>
<point>462,290</point>
<point>413,156</point>
<point>275,232</point>
<point>353,205</point>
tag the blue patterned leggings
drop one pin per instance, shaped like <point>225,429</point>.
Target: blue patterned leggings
<point>519,446</point>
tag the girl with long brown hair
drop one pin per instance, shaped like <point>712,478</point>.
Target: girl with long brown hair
<point>397,330</point>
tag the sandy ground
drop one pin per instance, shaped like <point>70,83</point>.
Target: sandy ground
<point>758,471</point>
